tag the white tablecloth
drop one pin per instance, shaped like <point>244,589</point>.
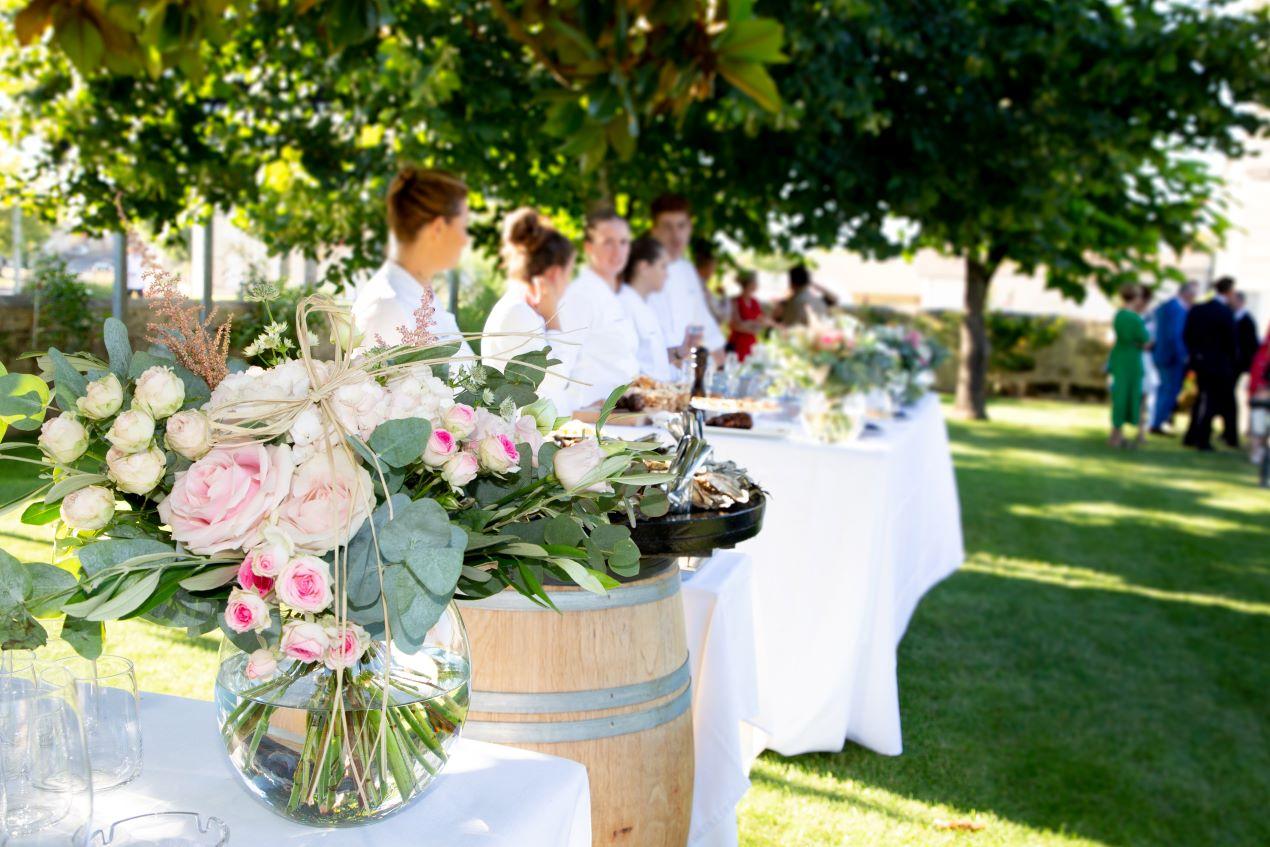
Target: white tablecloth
<point>854,535</point>
<point>719,613</point>
<point>488,795</point>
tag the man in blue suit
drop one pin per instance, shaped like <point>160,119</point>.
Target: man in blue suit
<point>1169,354</point>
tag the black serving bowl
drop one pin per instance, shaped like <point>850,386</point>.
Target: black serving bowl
<point>699,532</point>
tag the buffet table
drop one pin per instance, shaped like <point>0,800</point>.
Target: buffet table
<point>855,534</point>
<point>488,795</point>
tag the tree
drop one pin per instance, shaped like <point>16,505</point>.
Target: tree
<point>296,115</point>
<point>1057,136</point>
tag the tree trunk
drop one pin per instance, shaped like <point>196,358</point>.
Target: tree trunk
<point>972,372</point>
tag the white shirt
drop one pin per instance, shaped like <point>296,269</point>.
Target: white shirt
<point>388,300</point>
<point>682,303</point>
<point>599,343</point>
<point>511,314</point>
<point>653,358</point>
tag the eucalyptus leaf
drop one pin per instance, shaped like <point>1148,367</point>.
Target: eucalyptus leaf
<point>70,384</point>
<point>20,631</point>
<point>562,529</point>
<point>84,636</point>
<point>49,588</point>
<point>23,401</point>
<point>401,442</point>
<point>118,347</point>
<point>362,565</point>
<point>96,557</point>
<point>15,582</point>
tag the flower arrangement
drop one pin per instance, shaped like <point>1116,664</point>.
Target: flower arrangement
<point>918,358</point>
<point>322,513</point>
<point>836,357</point>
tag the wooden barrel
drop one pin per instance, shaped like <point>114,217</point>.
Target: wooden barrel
<point>604,682</point>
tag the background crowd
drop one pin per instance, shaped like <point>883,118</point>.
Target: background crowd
<point>1215,341</point>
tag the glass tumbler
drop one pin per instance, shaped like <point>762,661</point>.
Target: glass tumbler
<point>107,688</point>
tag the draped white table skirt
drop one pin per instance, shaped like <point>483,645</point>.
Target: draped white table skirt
<point>853,536</point>
<point>488,795</point>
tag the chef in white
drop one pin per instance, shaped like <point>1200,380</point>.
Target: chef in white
<point>602,353</point>
<point>682,304</point>
<point>427,216</point>
<point>539,262</point>
<point>644,276</point>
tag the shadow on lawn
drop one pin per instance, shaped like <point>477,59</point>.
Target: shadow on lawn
<point>1114,715</point>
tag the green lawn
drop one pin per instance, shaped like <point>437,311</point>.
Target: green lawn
<point>1097,673</point>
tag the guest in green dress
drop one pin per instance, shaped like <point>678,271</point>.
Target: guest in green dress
<point>1125,364</point>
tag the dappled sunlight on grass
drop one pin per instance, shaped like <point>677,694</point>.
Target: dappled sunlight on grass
<point>1107,513</point>
<point>1086,578</point>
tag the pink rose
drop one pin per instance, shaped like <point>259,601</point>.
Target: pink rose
<point>261,665</point>
<point>222,501</point>
<point>487,424</point>
<point>269,558</point>
<point>498,454</point>
<point>347,644</point>
<point>575,463</point>
<point>304,641</point>
<point>460,420</point>
<point>329,500</point>
<point>460,469</point>
<point>246,611</point>
<point>830,339</point>
<point>305,584</point>
<point>526,432</point>
<point>441,446</point>
<point>252,581</point>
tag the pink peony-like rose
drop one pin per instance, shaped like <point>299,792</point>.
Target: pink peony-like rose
<point>222,501</point>
<point>498,454</point>
<point>487,424</point>
<point>441,446</point>
<point>329,500</point>
<point>460,419</point>
<point>347,644</point>
<point>261,664</point>
<point>246,611</point>
<point>252,581</point>
<point>304,641</point>
<point>305,584</point>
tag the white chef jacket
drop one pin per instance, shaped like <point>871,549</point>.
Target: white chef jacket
<point>511,314</point>
<point>388,300</point>
<point>682,303</point>
<point>604,344</point>
<point>653,359</point>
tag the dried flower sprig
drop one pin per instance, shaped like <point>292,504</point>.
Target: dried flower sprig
<point>420,335</point>
<point>201,349</point>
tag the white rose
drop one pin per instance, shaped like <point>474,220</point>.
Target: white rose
<point>572,464</point>
<point>498,453</point>
<point>189,434</point>
<point>136,473</point>
<point>63,439</point>
<point>89,508</point>
<point>132,431</point>
<point>360,404</point>
<point>159,391</point>
<point>103,398</point>
<point>460,469</point>
<point>344,332</point>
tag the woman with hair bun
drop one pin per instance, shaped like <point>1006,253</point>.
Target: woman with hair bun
<point>539,263</point>
<point>427,214</point>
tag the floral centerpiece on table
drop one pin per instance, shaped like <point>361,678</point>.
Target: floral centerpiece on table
<point>323,513</point>
<point>918,358</point>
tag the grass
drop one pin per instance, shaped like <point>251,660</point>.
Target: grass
<point>1096,674</point>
